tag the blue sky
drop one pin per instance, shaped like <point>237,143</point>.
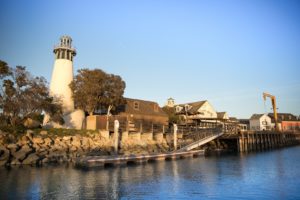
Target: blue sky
<point>227,52</point>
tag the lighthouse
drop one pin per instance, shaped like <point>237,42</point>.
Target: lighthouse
<point>62,74</point>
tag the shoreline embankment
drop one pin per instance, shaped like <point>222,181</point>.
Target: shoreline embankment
<point>38,147</point>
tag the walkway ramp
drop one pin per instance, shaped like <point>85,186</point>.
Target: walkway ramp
<point>200,142</point>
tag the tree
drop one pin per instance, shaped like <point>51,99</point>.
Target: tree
<point>170,111</point>
<point>94,89</point>
<point>23,95</point>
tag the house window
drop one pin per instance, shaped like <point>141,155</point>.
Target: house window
<point>136,105</point>
<point>178,109</point>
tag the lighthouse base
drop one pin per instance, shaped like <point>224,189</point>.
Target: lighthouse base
<point>73,120</point>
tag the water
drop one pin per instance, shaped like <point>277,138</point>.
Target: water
<point>267,175</point>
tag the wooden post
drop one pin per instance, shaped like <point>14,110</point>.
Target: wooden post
<point>246,143</point>
<point>141,127</point>
<point>175,136</point>
<point>262,142</point>
<point>241,143</point>
<point>116,135</point>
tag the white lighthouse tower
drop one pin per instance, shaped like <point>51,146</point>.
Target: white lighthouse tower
<point>62,74</point>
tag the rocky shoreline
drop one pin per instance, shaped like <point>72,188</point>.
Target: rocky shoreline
<point>33,148</point>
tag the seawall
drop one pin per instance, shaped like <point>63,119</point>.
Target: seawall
<point>44,146</point>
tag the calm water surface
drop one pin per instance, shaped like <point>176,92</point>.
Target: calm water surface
<point>266,175</point>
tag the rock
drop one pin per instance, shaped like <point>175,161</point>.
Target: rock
<point>36,147</point>
<point>29,134</point>
<point>73,149</point>
<point>13,147</point>
<point>38,140</point>
<point>4,154</point>
<point>42,153</point>
<point>85,143</point>
<point>30,123</point>
<point>22,153</point>
<point>43,132</point>
<point>76,142</point>
<point>24,140</point>
<point>48,141</point>
<point>15,162</point>
<point>45,160</point>
<point>3,162</point>
<point>31,159</point>
<point>67,138</point>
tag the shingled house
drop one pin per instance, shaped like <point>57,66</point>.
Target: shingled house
<point>136,109</point>
<point>286,121</point>
<point>133,115</point>
<point>196,110</point>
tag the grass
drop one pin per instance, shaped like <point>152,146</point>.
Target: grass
<point>20,131</point>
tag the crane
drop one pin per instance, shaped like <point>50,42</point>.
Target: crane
<point>273,100</point>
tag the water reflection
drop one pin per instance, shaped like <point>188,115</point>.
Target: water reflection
<point>267,175</point>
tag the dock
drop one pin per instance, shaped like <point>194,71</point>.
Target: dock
<point>124,160</point>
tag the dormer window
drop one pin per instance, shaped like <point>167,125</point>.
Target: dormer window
<point>178,108</point>
<point>136,105</point>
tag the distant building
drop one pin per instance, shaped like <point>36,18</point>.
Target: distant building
<point>286,121</point>
<point>137,109</point>
<point>133,115</point>
<point>244,124</point>
<point>260,122</point>
<point>196,110</point>
<point>170,102</point>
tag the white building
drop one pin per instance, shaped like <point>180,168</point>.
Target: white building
<point>170,102</point>
<point>260,122</point>
<point>196,110</point>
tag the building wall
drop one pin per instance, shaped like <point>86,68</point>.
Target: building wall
<point>263,123</point>
<point>62,76</point>
<point>207,110</point>
<point>155,119</point>
<point>290,125</point>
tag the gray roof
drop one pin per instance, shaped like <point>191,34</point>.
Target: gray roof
<point>221,115</point>
<point>283,117</point>
<point>257,116</point>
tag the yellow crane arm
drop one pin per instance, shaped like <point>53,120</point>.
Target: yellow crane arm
<point>273,100</point>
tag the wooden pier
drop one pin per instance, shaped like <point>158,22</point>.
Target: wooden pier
<point>104,161</point>
<point>263,140</point>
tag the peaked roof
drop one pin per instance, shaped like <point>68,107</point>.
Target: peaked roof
<point>283,117</point>
<point>221,114</point>
<point>194,106</point>
<point>145,107</point>
<point>257,116</point>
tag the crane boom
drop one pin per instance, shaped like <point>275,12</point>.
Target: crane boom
<point>273,101</point>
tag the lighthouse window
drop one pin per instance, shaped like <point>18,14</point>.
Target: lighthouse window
<point>63,54</point>
<point>68,55</point>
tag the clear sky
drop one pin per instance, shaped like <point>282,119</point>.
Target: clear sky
<point>227,52</point>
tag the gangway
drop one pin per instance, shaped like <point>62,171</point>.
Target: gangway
<point>200,142</point>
